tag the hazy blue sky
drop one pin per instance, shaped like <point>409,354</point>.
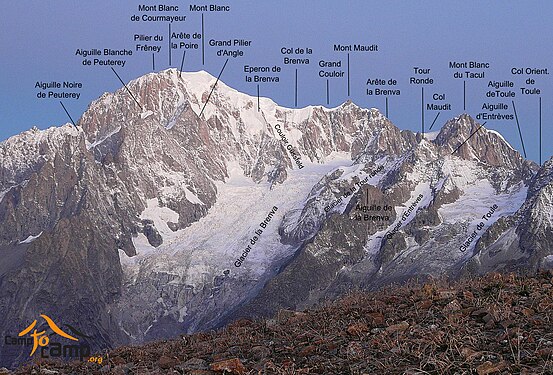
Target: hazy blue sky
<point>38,40</point>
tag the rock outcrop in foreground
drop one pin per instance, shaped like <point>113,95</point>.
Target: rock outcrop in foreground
<point>498,324</point>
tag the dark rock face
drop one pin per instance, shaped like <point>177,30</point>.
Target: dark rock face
<point>114,226</point>
<point>151,233</point>
<point>72,261</point>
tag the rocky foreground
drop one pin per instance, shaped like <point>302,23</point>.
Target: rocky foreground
<point>499,324</point>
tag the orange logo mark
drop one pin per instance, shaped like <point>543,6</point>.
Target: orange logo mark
<point>39,338</point>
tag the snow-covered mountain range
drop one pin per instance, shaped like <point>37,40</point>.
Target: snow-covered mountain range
<point>149,220</point>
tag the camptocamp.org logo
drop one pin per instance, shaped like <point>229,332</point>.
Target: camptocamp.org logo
<point>48,348</point>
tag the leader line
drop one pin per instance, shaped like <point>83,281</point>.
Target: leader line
<point>327,93</point>
<point>470,136</point>
<point>464,95</point>
<point>213,88</point>
<point>203,45</point>
<point>170,49</point>
<point>348,77</point>
<point>68,115</point>
<point>433,122</point>
<point>182,62</point>
<point>258,106</point>
<point>296,90</point>
<point>129,91</point>
<point>540,133</point>
<point>422,111</point>
<point>518,126</point>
